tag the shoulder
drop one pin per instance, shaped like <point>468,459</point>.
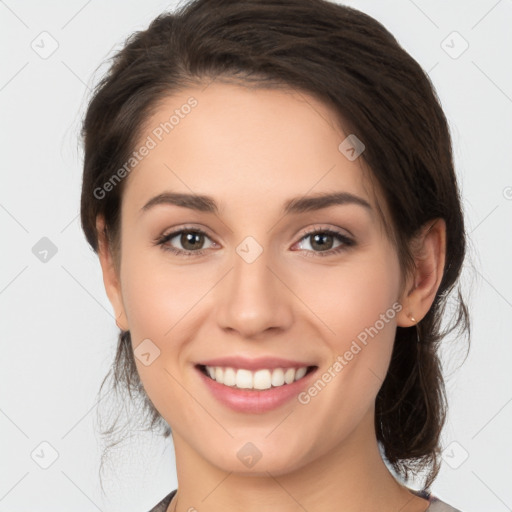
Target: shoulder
<point>161,506</point>
<point>436,505</point>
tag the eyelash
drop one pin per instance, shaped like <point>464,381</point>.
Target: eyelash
<point>346,242</point>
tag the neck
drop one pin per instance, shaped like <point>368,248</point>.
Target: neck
<point>352,477</point>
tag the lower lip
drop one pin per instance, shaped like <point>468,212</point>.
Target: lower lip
<point>255,401</point>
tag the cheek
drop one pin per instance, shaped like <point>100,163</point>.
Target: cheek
<point>353,296</point>
<point>158,295</point>
<point>358,308</point>
<point>159,302</point>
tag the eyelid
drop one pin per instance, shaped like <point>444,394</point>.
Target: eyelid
<point>186,227</point>
<point>323,229</point>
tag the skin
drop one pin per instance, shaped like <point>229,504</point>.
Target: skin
<point>251,150</point>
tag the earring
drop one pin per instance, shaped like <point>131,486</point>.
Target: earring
<point>412,318</point>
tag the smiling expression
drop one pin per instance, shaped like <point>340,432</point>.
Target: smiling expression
<point>249,238</point>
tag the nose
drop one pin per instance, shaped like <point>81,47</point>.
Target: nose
<point>253,300</point>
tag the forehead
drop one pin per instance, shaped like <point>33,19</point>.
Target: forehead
<point>246,146</point>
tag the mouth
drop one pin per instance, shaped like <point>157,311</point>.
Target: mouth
<point>255,380</point>
<point>254,384</point>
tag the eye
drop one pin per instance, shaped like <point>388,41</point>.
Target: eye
<point>191,241</point>
<point>321,242</point>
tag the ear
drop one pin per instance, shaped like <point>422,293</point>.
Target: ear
<point>429,249</point>
<point>110,276</point>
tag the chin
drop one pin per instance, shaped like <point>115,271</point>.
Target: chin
<point>256,459</point>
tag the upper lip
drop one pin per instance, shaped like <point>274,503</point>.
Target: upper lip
<point>258,363</point>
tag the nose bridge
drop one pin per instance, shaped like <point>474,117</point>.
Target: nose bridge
<point>253,299</point>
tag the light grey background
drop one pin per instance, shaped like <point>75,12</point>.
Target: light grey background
<point>57,330</point>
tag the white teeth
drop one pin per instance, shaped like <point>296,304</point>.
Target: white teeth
<point>300,373</point>
<point>229,377</point>
<point>260,379</point>
<point>243,379</point>
<point>278,377</point>
<point>289,375</point>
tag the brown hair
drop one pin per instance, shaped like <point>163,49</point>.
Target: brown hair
<point>352,63</point>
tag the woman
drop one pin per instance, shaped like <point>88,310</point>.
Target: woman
<point>270,189</point>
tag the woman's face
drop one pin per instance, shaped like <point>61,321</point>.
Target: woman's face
<point>273,278</point>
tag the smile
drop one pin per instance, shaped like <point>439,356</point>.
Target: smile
<point>258,390</point>
<point>259,380</point>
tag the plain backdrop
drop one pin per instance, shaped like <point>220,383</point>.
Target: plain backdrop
<point>57,330</point>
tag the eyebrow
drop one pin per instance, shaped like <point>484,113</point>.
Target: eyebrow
<point>295,205</point>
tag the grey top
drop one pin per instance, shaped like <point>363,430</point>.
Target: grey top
<point>436,505</point>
